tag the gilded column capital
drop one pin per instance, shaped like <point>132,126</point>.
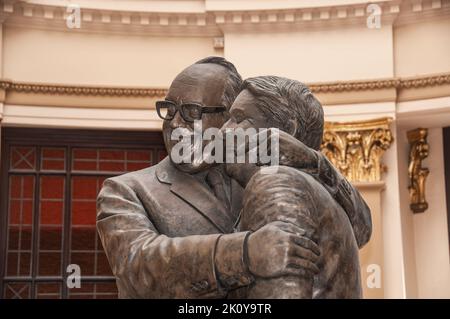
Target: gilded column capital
<point>356,148</point>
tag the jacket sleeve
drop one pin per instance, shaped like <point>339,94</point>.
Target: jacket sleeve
<point>147,264</point>
<point>348,197</point>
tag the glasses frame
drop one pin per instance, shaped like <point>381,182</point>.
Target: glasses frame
<point>181,108</point>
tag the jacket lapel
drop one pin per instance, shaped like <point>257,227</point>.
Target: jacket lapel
<point>197,195</point>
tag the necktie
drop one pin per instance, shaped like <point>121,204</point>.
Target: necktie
<point>216,182</point>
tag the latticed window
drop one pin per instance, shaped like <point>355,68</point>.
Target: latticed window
<point>49,183</point>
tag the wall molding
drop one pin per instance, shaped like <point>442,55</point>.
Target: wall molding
<point>47,88</point>
<point>329,93</point>
<point>209,18</point>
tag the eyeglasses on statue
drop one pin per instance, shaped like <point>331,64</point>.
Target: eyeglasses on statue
<point>189,111</point>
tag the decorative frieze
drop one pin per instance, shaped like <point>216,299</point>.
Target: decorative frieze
<point>325,87</point>
<point>211,18</point>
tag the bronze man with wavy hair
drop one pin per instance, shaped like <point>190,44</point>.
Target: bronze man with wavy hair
<point>295,196</point>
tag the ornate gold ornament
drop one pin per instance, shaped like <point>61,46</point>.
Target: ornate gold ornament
<point>356,148</point>
<point>417,174</point>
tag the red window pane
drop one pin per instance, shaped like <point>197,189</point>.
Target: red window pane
<point>86,291</point>
<point>12,264</point>
<point>50,238</point>
<point>18,264</point>
<point>136,166</point>
<point>85,159</point>
<point>53,159</point>
<point>48,290</point>
<point>53,165</point>
<point>85,187</point>
<point>138,155</point>
<point>103,268</point>
<point>53,153</point>
<point>21,190</point>
<point>112,166</point>
<point>23,158</point>
<point>49,264</point>
<point>21,187</point>
<point>86,261</point>
<point>15,186</point>
<point>51,212</point>
<point>15,212</point>
<point>112,160</point>
<point>24,264</point>
<point>25,237</point>
<point>19,237</point>
<point>100,290</point>
<point>84,153</point>
<point>27,187</point>
<point>19,290</point>
<point>52,187</point>
<point>13,237</point>
<point>20,212</point>
<point>83,238</point>
<point>115,155</point>
<point>27,212</point>
<point>83,213</point>
<point>79,165</point>
<point>106,290</point>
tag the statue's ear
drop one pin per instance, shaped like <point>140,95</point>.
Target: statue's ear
<point>226,115</point>
<point>292,127</point>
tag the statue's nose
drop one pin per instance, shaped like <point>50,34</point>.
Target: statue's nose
<point>177,121</point>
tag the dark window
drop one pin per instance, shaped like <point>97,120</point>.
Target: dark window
<point>49,183</point>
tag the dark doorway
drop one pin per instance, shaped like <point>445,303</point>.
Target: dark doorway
<point>49,183</point>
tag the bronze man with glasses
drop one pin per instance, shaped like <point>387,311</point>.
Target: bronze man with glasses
<point>189,111</point>
<point>168,230</point>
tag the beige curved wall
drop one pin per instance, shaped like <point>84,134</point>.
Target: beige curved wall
<point>349,53</point>
<point>95,58</point>
<point>423,47</point>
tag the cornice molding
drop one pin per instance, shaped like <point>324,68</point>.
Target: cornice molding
<point>44,88</point>
<point>211,20</point>
<point>423,81</point>
<point>371,85</point>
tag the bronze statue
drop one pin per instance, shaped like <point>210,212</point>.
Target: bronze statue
<point>168,230</point>
<point>294,196</point>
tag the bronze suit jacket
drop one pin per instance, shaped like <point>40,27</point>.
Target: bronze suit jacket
<point>160,227</point>
<point>296,197</point>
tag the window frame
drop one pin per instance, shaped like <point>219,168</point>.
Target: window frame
<point>67,139</point>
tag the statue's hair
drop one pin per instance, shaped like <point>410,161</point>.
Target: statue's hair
<point>233,82</point>
<point>282,99</point>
